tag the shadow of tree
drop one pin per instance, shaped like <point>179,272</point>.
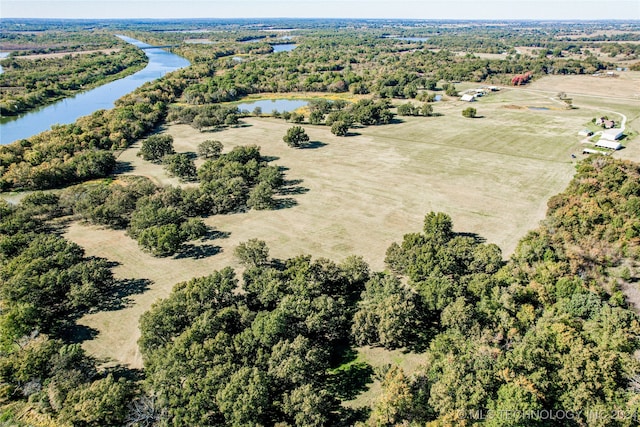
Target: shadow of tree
<point>476,237</point>
<point>285,203</point>
<point>347,417</point>
<point>122,167</point>
<point>348,381</point>
<point>119,295</point>
<point>119,371</point>
<point>270,159</point>
<point>216,234</point>
<point>312,145</point>
<point>290,182</point>
<point>293,190</point>
<point>77,334</point>
<point>291,187</point>
<point>197,251</point>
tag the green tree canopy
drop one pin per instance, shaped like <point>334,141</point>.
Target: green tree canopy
<point>296,136</point>
<point>155,147</point>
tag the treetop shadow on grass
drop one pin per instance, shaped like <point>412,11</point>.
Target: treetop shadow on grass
<point>313,145</point>
<point>211,129</point>
<point>476,237</point>
<point>119,296</point>
<point>197,251</point>
<point>216,234</point>
<point>122,167</point>
<point>351,379</point>
<point>290,182</point>
<point>270,159</point>
<point>119,371</point>
<point>292,187</point>
<point>293,190</point>
<point>285,203</point>
<point>347,417</point>
<point>77,334</point>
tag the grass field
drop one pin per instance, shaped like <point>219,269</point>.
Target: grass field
<point>492,174</point>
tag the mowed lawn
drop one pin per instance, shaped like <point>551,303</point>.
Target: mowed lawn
<point>358,194</point>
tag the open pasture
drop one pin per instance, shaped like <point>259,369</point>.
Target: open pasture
<point>358,194</point>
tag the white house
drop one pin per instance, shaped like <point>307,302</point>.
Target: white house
<point>612,145</point>
<point>612,134</point>
<point>467,98</point>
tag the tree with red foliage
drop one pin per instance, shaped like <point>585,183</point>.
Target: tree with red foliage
<point>521,79</point>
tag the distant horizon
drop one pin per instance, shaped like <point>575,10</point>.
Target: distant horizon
<point>424,10</point>
<point>277,18</point>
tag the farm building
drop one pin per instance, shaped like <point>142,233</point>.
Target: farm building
<point>467,98</point>
<point>585,132</point>
<point>612,145</point>
<point>611,134</point>
<point>592,151</point>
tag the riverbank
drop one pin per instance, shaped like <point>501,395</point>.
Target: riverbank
<point>68,110</point>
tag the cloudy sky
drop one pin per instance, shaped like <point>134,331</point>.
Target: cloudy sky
<point>418,9</point>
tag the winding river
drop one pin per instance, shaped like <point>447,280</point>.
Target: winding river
<point>69,110</point>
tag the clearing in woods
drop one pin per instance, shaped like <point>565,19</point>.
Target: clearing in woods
<point>360,193</point>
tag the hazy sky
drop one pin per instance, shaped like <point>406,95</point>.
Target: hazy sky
<point>418,9</point>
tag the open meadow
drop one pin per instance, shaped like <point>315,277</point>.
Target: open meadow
<point>357,194</point>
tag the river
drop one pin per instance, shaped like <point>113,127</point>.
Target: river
<point>70,109</point>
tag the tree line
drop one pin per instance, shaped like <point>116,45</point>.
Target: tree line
<point>30,83</point>
<point>83,150</point>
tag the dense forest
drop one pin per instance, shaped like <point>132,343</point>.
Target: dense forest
<point>548,330</point>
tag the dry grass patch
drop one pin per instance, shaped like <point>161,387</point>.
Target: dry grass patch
<point>626,85</point>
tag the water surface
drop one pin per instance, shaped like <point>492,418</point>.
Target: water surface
<point>284,47</point>
<point>70,109</point>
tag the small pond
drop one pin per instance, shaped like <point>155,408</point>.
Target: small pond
<point>414,39</point>
<point>283,47</point>
<point>268,105</point>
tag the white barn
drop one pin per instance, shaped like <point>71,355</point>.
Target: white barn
<point>611,134</point>
<point>467,98</point>
<point>612,145</point>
